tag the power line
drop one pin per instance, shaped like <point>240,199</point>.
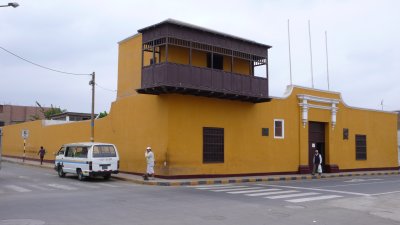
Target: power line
<point>107,89</point>
<point>44,67</point>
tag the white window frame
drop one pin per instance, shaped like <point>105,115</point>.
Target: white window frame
<point>283,129</point>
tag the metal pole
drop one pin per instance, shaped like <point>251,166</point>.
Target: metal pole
<point>290,57</point>
<point>23,158</point>
<point>92,82</point>
<point>327,64</point>
<point>312,75</point>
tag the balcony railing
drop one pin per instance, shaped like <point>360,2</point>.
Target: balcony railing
<point>186,79</point>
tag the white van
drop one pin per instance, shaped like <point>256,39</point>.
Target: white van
<point>88,159</point>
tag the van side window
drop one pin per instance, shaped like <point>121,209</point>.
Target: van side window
<point>61,151</point>
<point>81,152</point>
<point>70,152</point>
<point>100,151</point>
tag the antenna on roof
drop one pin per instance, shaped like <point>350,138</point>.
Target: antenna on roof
<point>290,58</point>
<point>327,64</point>
<point>309,35</point>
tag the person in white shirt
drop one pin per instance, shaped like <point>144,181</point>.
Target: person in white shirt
<point>149,155</point>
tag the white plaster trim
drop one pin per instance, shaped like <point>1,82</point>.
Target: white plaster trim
<point>318,99</point>
<point>318,106</point>
<point>289,90</point>
<point>305,106</point>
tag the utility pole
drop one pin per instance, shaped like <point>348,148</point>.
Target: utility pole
<point>290,57</point>
<point>92,82</point>
<point>309,36</point>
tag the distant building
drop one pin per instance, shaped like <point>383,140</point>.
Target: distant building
<point>71,116</point>
<point>13,114</point>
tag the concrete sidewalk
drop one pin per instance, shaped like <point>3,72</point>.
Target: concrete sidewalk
<point>201,181</point>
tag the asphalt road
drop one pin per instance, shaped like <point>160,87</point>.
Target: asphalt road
<point>36,196</point>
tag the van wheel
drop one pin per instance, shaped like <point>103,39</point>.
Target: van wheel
<point>80,175</point>
<point>60,172</point>
<point>107,177</point>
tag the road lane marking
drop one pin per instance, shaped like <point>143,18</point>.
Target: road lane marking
<point>385,193</point>
<point>344,185</point>
<point>237,189</point>
<point>63,187</point>
<point>39,187</point>
<point>360,180</point>
<point>253,191</point>
<point>51,174</point>
<point>292,195</point>
<point>17,188</point>
<point>86,185</point>
<point>215,185</point>
<point>319,189</point>
<point>215,188</point>
<point>270,193</point>
<point>108,185</point>
<point>324,197</point>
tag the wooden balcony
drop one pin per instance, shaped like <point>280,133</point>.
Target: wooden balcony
<point>167,78</point>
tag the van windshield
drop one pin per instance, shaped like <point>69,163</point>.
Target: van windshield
<point>100,151</point>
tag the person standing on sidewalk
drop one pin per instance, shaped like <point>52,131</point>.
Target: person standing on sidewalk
<point>149,155</point>
<point>317,161</point>
<point>41,153</point>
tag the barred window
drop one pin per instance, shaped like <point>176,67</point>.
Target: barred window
<point>213,145</point>
<point>361,147</point>
<point>279,128</point>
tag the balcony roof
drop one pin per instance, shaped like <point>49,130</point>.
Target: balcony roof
<point>199,28</point>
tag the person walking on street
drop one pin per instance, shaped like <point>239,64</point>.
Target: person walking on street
<point>41,153</point>
<point>149,155</point>
<point>317,161</point>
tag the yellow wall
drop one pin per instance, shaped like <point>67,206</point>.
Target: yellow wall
<point>129,66</point>
<point>241,66</point>
<point>172,125</point>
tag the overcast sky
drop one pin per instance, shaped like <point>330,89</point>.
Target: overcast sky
<point>82,36</point>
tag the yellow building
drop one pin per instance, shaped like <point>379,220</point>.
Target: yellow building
<point>191,94</point>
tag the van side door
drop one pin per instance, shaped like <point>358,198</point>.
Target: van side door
<point>69,160</point>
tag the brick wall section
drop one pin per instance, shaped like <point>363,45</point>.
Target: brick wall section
<point>12,114</point>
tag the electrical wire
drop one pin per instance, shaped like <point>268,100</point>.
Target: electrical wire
<point>44,67</point>
<point>54,70</point>
<point>107,89</point>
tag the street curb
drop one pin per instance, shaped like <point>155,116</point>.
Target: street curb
<point>253,180</point>
<point>233,180</point>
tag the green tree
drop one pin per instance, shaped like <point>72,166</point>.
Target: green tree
<point>51,111</point>
<point>103,114</point>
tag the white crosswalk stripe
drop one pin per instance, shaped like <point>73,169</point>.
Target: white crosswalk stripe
<point>292,195</point>
<point>271,193</point>
<point>252,191</point>
<point>86,185</point>
<point>211,185</point>
<point>220,187</point>
<point>108,185</point>
<point>17,188</point>
<point>63,187</point>
<point>236,189</point>
<point>39,187</point>
<point>323,197</point>
<point>72,186</point>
